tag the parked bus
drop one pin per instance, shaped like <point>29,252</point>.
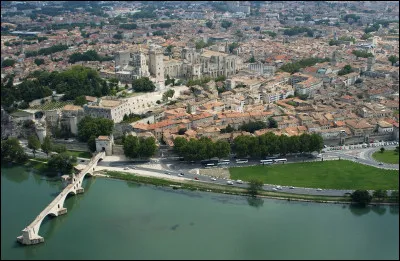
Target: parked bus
<point>205,162</point>
<point>265,162</point>
<point>283,160</point>
<point>224,162</point>
<point>239,161</point>
<point>210,165</point>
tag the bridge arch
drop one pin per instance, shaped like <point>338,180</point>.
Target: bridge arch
<point>60,204</point>
<point>36,228</point>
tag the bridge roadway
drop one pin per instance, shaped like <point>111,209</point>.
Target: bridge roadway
<point>30,234</point>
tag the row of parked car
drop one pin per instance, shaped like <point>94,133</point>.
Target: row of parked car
<point>360,146</point>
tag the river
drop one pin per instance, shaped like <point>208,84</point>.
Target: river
<point>115,219</point>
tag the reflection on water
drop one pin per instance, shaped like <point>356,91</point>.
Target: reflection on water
<point>255,202</point>
<point>22,174</point>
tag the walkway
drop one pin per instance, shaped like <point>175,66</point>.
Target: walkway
<point>30,234</point>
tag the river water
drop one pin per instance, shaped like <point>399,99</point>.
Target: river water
<point>119,220</point>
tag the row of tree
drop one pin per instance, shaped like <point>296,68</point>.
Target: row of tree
<point>135,147</point>
<point>298,30</point>
<point>200,149</point>
<point>47,51</point>
<point>90,55</point>
<point>296,66</point>
<point>130,26</point>
<point>363,197</point>
<point>161,25</point>
<point>270,144</point>
<point>363,54</point>
<point>252,126</point>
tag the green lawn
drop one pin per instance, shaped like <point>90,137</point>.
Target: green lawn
<point>326,175</point>
<point>81,154</point>
<point>388,156</point>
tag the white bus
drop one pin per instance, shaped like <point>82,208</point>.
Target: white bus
<point>224,162</point>
<point>283,160</point>
<point>265,162</point>
<point>239,161</point>
<point>210,165</point>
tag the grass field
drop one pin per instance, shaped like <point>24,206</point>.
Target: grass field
<point>388,156</point>
<point>81,154</point>
<point>326,175</point>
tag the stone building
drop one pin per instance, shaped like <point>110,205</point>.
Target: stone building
<point>192,65</point>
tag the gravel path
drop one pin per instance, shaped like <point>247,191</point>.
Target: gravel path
<point>143,173</point>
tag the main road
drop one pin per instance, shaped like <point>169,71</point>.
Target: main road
<point>174,167</point>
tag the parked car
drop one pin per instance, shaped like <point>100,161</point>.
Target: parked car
<point>213,179</point>
<point>318,189</point>
<point>239,181</point>
<point>196,178</point>
<point>229,182</point>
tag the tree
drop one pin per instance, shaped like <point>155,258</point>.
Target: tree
<point>92,143</point>
<point>395,196</point>
<point>89,126</point>
<point>232,46</point>
<point>143,85</point>
<point>222,149</point>
<point>59,148</point>
<point>345,70</point>
<point>252,126</point>
<point>382,150</point>
<point>361,197</point>
<point>33,144</point>
<point>46,145</point>
<point>147,147</point>
<point>252,60</point>
<point>179,144</point>
<point>209,24</point>
<point>272,123</point>
<point>257,28</point>
<point>380,194</point>
<point>254,187</point>
<point>39,62</point>
<point>7,62</point>
<point>228,129</point>
<point>393,59</point>
<point>131,146</point>
<point>182,131</point>
<point>168,94</point>
<point>62,162</point>
<point>363,54</point>
<point>226,24</point>
<point>80,100</point>
<point>11,150</point>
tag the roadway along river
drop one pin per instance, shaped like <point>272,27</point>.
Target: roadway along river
<point>115,219</point>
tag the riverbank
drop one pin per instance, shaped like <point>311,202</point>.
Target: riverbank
<point>224,189</point>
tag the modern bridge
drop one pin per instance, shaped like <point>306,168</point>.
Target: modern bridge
<point>30,234</point>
